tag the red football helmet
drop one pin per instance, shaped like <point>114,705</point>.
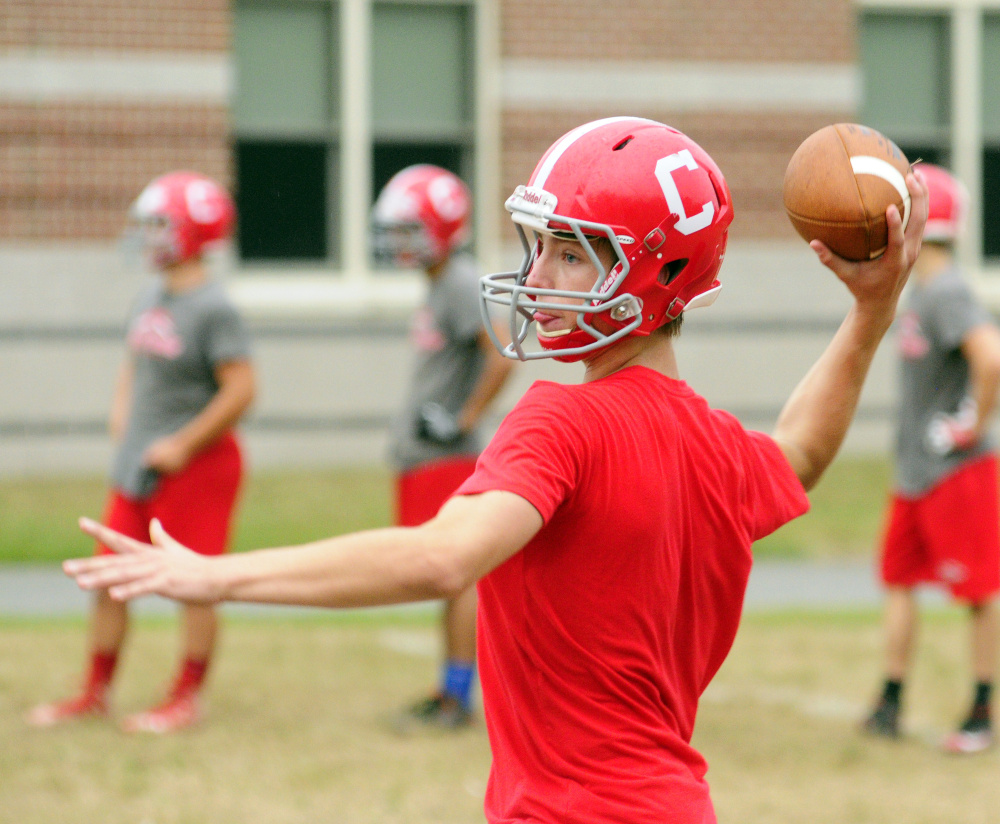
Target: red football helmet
<point>947,203</point>
<point>180,213</point>
<point>421,216</point>
<point>661,202</point>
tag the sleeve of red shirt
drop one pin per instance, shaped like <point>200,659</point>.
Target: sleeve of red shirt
<point>534,454</point>
<point>775,494</point>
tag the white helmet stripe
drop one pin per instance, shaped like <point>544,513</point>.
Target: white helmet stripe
<point>569,139</point>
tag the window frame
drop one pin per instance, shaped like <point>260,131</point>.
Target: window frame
<point>350,284</point>
<point>966,140</point>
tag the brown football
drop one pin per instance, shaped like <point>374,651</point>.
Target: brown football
<point>838,185</point>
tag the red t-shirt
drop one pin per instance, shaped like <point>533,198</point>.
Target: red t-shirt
<point>598,637</point>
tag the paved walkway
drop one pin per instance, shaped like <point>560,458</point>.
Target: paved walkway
<point>45,591</point>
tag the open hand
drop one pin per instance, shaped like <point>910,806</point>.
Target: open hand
<point>163,567</point>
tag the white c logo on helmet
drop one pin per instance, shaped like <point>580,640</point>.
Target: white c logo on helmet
<point>665,167</point>
<point>446,198</point>
<point>202,207</point>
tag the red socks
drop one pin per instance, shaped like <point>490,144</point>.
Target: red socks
<point>102,669</point>
<point>190,678</point>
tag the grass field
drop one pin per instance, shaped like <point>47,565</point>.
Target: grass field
<point>299,704</point>
<point>39,516</point>
<point>277,508</point>
<point>297,729</point>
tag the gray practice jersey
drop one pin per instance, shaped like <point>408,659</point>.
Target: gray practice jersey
<point>175,342</point>
<point>933,376</point>
<point>444,333</point>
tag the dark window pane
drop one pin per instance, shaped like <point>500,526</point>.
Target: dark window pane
<point>389,158</point>
<point>928,154</point>
<point>991,202</point>
<point>281,200</point>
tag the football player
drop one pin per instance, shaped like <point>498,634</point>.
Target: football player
<point>942,521</point>
<point>422,219</point>
<point>609,523</point>
<point>186,382</point>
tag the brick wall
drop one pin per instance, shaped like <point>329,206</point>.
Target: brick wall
<point>70,168</point>
<point>169,25</point>
<point>752,148</point>
<point>715,30</point>
<point>70,171</point>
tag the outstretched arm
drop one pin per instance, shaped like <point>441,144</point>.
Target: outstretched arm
<point>814,421</point>
<point>470,536</point>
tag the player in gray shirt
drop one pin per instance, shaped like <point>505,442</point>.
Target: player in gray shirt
<point>942,524</point>
<point>176,339</point>
<point>185,384</point>
<point>422,219</point>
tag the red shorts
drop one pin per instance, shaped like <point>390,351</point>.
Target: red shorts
<point>948,536</point>
<point>194,505</point>
<point>421,491</point>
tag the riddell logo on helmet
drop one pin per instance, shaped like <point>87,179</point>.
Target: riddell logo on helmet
<point>609,281</point>
<point>536,197</point>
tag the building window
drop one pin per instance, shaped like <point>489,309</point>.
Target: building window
<point>919,50</point>
<point>991,136</point>
<point>282,199</point>
<point>286,116</point>
<point>290,115</point>
<point>422,103</point>
<point>915,108</point>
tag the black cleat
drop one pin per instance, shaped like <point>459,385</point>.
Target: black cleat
<point>884,721</point>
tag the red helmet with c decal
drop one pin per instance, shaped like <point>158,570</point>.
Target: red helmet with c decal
<point>659,200</point>
<point>180,213</point>
<point>421,216</point>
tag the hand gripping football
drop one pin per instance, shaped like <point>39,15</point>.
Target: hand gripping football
<point>838,185</point>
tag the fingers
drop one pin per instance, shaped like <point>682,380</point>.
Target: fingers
<point>843,268</point>
<point>124,576</point>
<point>134,589</point>
<point>161,538</point>
<point>112,540</point>
<point>826,257</point>
<point>917,187</point>
<point>895,237</point>
<point>916,184</point>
